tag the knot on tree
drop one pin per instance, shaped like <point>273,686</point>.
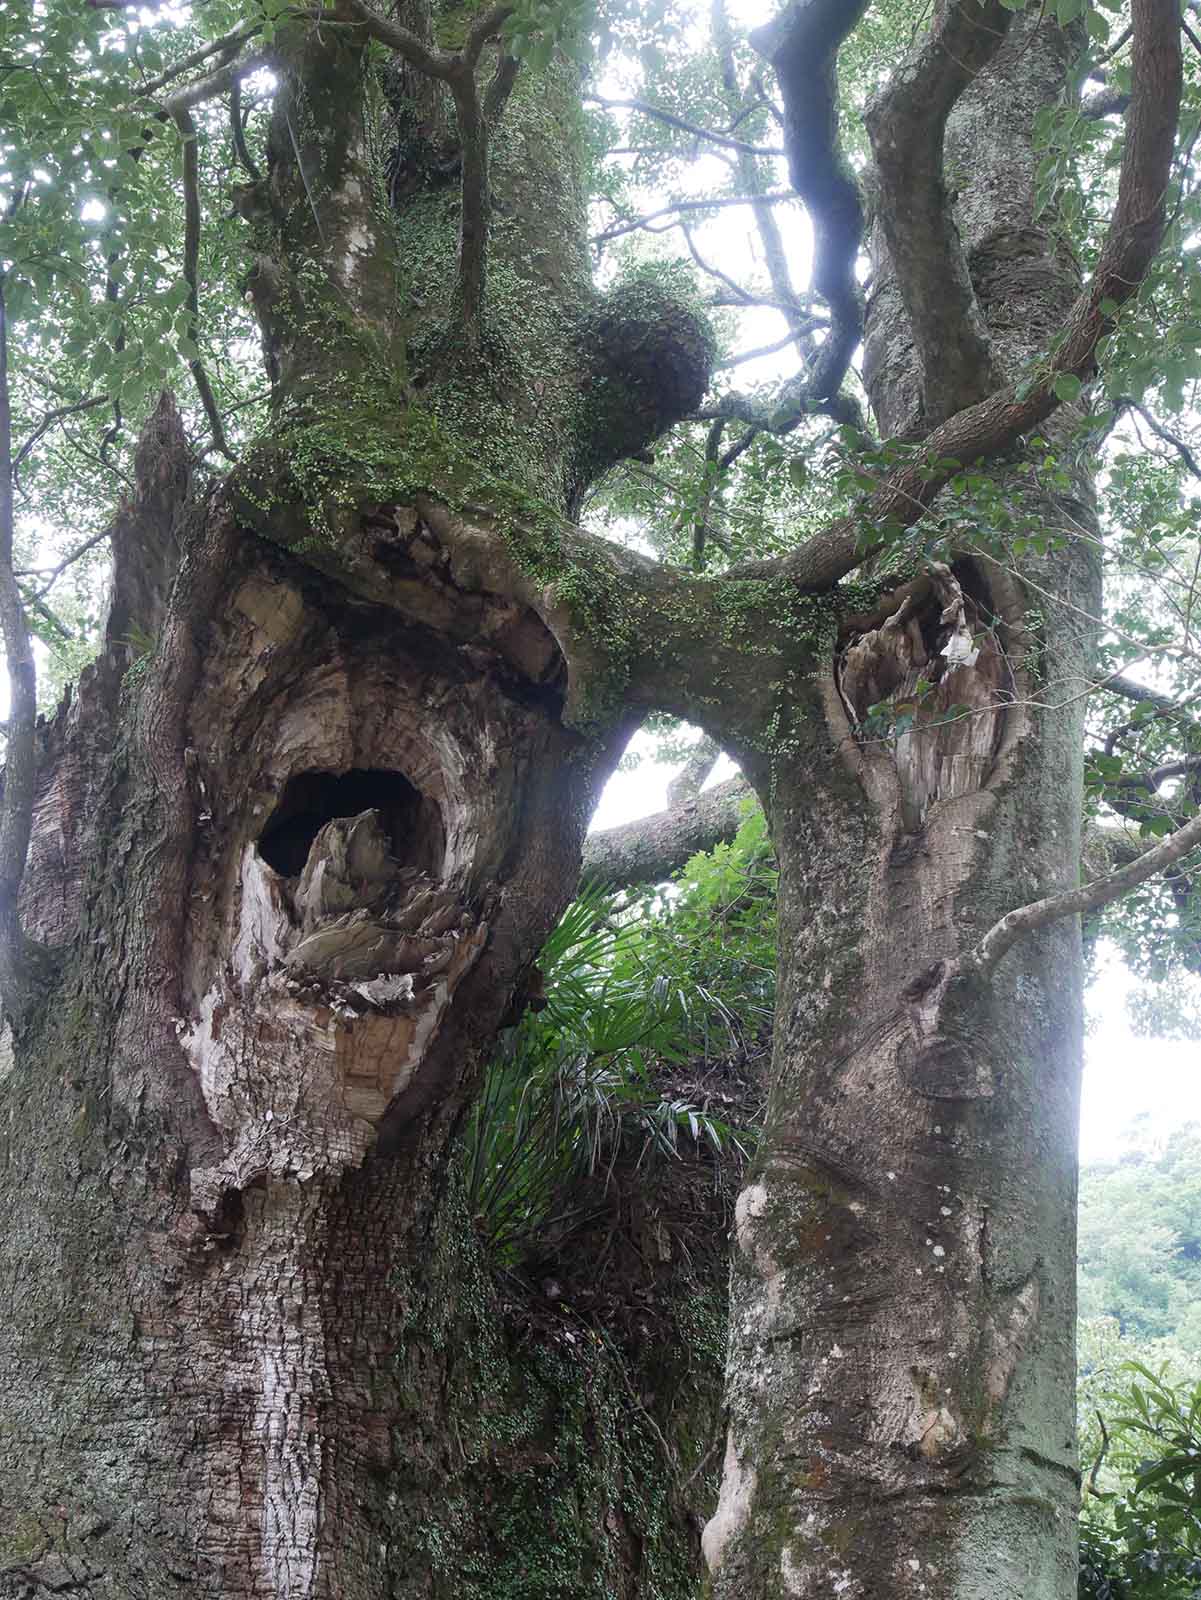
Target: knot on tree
<point>650,349</point>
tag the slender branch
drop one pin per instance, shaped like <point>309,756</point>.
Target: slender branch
<point>1158,429</point>
<point>741,296</point>
<point>660,114</point>
<point>191,259</point>
<point>747,297</point>
<point>764,349</point>
<point>237,133</point>
<point>48,421</point>
<point>1102,891</point>
<point>435,63</point>
<point>620,228</point>
<point>1092,1477</point>
<point>49,579</point>
<point>227,45</point>
<point>907,124</point>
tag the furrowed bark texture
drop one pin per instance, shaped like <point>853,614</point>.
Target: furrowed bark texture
<point>902,1321</point>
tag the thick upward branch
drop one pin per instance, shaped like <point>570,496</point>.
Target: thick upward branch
<point>907,124</point>
<point>802,45</point>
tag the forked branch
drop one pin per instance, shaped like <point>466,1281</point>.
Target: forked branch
<point>907,126</point>
<point>459,70</point>
<point>991,426</point>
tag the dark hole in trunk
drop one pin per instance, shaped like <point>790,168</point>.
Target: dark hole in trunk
<point>412,822</point>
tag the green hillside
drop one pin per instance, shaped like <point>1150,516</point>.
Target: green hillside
<point>1140,1244</point>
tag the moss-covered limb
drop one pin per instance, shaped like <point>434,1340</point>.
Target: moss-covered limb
<point>650,350</point>
<point>739,654</point>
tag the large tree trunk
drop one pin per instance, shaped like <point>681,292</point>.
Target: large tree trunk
<point>294,863</point>
<point>902,1325</point>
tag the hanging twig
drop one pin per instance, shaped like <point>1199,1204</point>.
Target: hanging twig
<point>660,114</point>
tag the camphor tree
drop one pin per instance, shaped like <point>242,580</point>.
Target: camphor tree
<point>273,878</point>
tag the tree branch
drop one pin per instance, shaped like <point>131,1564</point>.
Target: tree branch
<point>1160,432</point>
<point>715,204</point>
<point>1003,934</point>
<point>774,254</point>
<point>237,133</point>
<point>993,425</point>
<point>476,205</point>
<point>686,784</point>
<point>20,772</point>
<point>673,121</point>
<point>435,63</point>
<point>191,259</point>
<point>907,124</point>
<point>653,848</point>
<point>802,45</point>
<point>228,45</point>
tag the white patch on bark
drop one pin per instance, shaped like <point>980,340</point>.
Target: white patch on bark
<point>738,1482</point>
<point>750,1207</point>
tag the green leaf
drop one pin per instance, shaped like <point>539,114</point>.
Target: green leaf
<point>1067,386</point>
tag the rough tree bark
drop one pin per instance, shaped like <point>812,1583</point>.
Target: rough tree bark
<point>290,865</point>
